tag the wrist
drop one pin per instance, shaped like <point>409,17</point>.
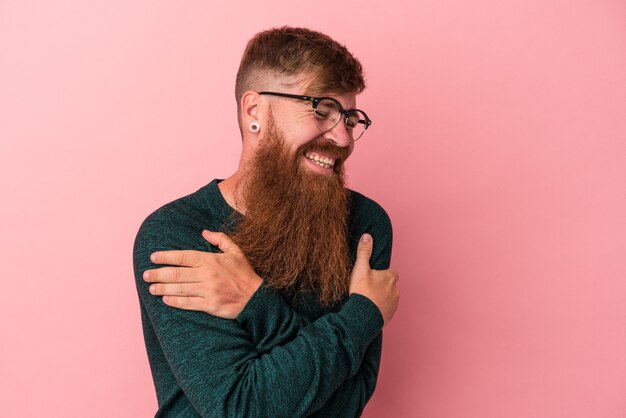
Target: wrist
<point>252,285</point>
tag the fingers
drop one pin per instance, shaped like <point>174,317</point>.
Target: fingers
<point>185,302</point>
<point>186,258</point>
<point>170,275</point>
<point>174,289</point>
<point>364,252</point>
<point>221,240</point>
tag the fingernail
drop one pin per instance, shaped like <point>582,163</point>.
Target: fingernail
<point>146,275</point>
<point>153,257</point>
<point>366,238</point>
<point>152,289</point>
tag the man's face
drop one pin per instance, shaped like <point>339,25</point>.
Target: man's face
<point>318,151</point>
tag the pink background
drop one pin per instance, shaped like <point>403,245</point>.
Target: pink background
<point>498,148</point>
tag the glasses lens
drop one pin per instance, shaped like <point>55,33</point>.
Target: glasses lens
<point>355,124</point>
<point>327,115</point>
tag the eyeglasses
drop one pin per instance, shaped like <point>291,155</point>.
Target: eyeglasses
<point>328,113</point>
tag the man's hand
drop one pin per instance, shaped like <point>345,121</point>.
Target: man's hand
<point>380,286</point>
<point>219,284</point>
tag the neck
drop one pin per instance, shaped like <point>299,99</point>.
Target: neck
<point>229,189</point>
<point>231,186</point>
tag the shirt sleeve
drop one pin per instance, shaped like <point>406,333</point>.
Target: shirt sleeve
<point>350,398</point>
<point>220,370</point>
<point>270,320</point>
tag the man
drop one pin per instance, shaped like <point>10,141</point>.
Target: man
<point>256,292</point>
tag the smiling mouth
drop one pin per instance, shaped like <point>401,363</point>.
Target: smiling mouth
<point>320,160</point>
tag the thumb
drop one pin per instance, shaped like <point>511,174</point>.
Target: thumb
<point>364,252</point>
<point>221,240</point>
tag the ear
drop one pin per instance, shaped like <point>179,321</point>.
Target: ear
<point>250,110</point>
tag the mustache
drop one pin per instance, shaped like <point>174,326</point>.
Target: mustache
<point>329,147</point>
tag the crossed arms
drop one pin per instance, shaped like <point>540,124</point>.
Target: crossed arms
<point>270,360</point>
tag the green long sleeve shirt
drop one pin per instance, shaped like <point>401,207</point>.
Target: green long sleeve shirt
<point>274,359</point>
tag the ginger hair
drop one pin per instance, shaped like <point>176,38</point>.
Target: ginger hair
<point>298,54</point>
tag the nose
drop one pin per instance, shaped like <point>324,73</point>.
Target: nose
<point>340,135</point>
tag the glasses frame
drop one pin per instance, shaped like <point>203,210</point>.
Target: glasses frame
<point>316,101</point>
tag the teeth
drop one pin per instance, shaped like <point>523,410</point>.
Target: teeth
<point>321,161</point>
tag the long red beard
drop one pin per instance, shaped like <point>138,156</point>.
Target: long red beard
<point>294,231</point>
